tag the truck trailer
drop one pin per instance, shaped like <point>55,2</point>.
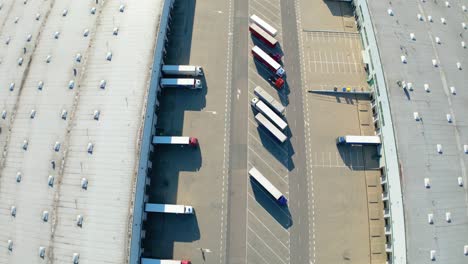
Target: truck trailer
<point>163,261</point>
<point>189,83</point>
<point>268,61</point>
<point>359,140</point>
<point>264,25</point>
<point>168,208</point>
<point>262,35</point>
<point>266,184</point>
<point>175,140</point>
<point>269,100</point>
<point>182,70</point>
<point>280,136</point>
<point>264,109</point>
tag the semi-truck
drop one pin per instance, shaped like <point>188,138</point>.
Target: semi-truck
<point>189,83</point>
<point>262,35</point>
<point>163,261</point>
<point>192,141</point>
<point>269,100</point>
<point>266,184</point>
<point>182,70</point>
<point>358,140</point>
<point>264,109</point>
<point>168,208</point>
<point>268,125</point>
<point>264,25</point>
<point>268,61</point>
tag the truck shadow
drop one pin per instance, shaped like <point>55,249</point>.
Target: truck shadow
<point>280,213</point>
<point>170,228</point>
<point>359,157</point>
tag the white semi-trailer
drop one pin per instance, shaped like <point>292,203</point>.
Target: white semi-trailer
<point>359,140</point>
<point>266,59</point>
<point>183,70</point>
<point>266,184</point>
<point>273,130</point>
<point>168,208</point>
<point>268,99</point>
<point>264,25</point>
<point>163,261</point>
<point>175,140</point>
<point>189,83</point>
<point>264,109</point>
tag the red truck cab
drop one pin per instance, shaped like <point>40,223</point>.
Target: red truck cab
<point>192,142</point>
<point>277,82</point>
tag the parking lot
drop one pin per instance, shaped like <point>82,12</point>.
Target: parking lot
<point>185,175</point>
<point>348,218</point>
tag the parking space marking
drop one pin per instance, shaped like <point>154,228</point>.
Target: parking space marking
<point>270,13</point>
<point>264,260</point>
<point>266,245</point>
<point>269,230</point>
<point>267,163</point>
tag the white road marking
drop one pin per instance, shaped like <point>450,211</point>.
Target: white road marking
<point>266,245</point>
<point>264,260</point>
<point>271,232</point>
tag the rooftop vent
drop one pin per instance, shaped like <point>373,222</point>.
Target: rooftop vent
<point>79,220</point>
<point>40,85</point>
<point>25,144</point>
<point>460,181</point>
<point>420,17</point>
<point>86,32</point>
<point>426,87</point>
<point>435,63</point>
<point>7,40</point>
<point>71,84</point>
<point>463,24</point>
<point>96,114</point>
<point>453,90</point>
<point>465,250</point>
<point>38,16</point>
<point>4,114</point>
<point>439,148</point>
<point>13,210</point>
<point>427,183</point>
<point>84,183</point>
<point>115,31</point>
<point>10,245</point>
<point>56,34</point>
<point>12,86</point>
<point>78,57</point>
<point>18,176</point>
<point>90,148</point>
<point>57,146</point>
<point>429,18</point>
<point>28,38</point>
<point>32,114</point>
<point>430,219</point>
<point>64,114</point>
<point>65,12</point>
<point>410,86</point>
<point>448,217</point>
<point>16,20</point>
<point>447,3</point>
<point>449,118</point>
<point>20,61</point>
<point>122,8</point>
<point>437,40</point>
<point>463,44</point>
<point>403,59</point>
<point>416,116</point>
<point>464,8</point>
<point>109,56</point>
<point>433,255</point>
<point>443,21</point>
<point>459,66</point>
<point>412,37</point>
<point>41,252</point>
<point>102,84</point>
<point>45,216</point>
<point>48,58</point>
<point>76,258</point>
<point>93,10</point>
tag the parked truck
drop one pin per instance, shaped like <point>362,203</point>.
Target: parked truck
<point>189,83</point>
<point>269,100</point>
<point>268,61</point>
<point>175,140</point>
<point>182,70</point>
<point>168,208</point>
<point>264,25</point>
<point>262,35</point>
<point>280,136</point>
<point>359,140</point>
<point>264,109</point>
<point>163,261</point>
<point>266,184</point>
